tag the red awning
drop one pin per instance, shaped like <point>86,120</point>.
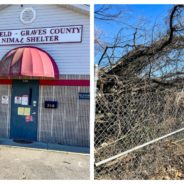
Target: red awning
<point>28,62</point>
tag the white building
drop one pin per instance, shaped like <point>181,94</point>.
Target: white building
<point>44,73</point>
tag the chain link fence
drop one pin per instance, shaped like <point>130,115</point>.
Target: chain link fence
<point>128,116</point>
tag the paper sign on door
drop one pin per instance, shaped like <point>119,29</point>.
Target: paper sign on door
<point>25,100</point>
<point>29,118</point>
<point>27,111</point>
<point>21,111</point>
<point>24,111</point>
<point>18,100</point>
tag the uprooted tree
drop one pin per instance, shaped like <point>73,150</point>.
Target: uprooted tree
<point>140,89</point>
<point>160,62</point>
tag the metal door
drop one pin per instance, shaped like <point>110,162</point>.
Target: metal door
<point>24,110</point>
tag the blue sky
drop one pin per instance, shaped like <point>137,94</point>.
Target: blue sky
<point>145,15</point>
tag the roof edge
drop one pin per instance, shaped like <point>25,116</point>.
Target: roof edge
<point>80,8</point>
<point>3,6</point>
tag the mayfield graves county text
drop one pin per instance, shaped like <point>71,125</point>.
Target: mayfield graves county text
<point>61,34</point>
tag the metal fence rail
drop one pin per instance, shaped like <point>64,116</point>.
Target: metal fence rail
<point>162,160</point>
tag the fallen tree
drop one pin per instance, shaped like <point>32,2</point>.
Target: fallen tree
<point>139,98</point>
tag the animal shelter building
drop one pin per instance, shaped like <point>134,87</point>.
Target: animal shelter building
<point>44,73</point>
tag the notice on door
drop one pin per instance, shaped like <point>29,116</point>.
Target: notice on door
<point>27,111</point>
<point>25,100</point>
<point>20,111</point>
<point>29,118</point>
<point>18,100</point>
<point>24,111</point>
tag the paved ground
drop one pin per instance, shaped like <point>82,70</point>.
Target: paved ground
<point>26,163</point>
<point>41,145</point>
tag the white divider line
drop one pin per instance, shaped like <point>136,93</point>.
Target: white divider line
<point>52,115</point>
<point>9,111</point>
<point>136,148</point>
<point>40,112</point>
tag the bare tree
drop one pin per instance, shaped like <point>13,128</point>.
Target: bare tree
<point>146,59</point>
<point>103,13</point>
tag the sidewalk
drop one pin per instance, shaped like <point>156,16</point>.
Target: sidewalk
<point>32,163</point>
<point>49,146</point>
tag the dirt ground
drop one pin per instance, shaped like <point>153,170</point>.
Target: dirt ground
<point>160,161</point>
<point>23,163</point>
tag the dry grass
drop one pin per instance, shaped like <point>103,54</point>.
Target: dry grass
<point>163,160</point>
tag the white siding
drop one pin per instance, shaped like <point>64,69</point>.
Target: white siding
<point>71,58</point>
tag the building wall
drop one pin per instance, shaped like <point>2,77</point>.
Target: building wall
<point>71,58</point>
<point>5,112</point>
<point>69,123</point>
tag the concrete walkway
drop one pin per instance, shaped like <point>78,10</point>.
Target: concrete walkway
<point>49,146</point>
<point>24,163</point>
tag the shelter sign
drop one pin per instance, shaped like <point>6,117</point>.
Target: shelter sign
<point>59,34</point>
